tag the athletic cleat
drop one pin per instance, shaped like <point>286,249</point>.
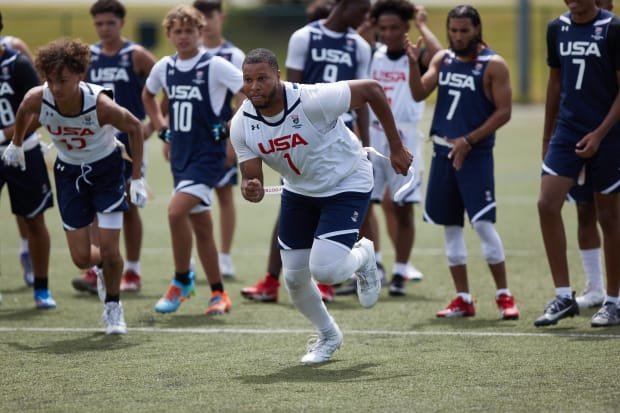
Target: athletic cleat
<point>219,303</point>
<point>113,318</point>
<point>397,286</point>
<point>458,308</point>
<point>590,298</point>
<point>266,290</point>
<point>26,261</point>
<point>175,295</point>
<point>227,269</point>
<point>327,292</point>
<point>557,309</point>
<point>606,316</point>
<point>368,282</point>
<point>43,300</point>
<point>507,307</point>
<point>88,282</point>
<point>381,272</point>
<point>131,282</point>
<point>321,350</point>
<point>413,274</point>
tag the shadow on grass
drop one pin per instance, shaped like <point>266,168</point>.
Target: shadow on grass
<point>93,342</point>
<point>302,373</point>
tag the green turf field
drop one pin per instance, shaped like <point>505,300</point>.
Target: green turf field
<point>396,357</point>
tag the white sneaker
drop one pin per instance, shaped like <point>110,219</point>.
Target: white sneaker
<point>590,298</point>
<point>226,266</point>
<point>101,291</point>
<point>113,318</point>
<point>368,281</point>
<point>322,349</point>
<point>413,274</point>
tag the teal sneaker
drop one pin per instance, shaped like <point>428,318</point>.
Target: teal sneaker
<point>175,295</point>
<point>43,300</point>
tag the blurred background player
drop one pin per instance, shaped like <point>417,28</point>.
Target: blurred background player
<point>196,84</point>
<point>310,60</point>
<point>24,252</point>
<point>216,44</point>
<point>390,67</point>
<point>461,179</point>
<point>120,65</point>
<point>30,191</point>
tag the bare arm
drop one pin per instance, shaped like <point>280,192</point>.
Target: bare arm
<point>369,91</point>
<point>431,42</point>
<point>252,180</point>
<point>153,109</point>
<point>113,114</point>
<point>27,115</point>
<point>421,86</point>
<point>498,90</point>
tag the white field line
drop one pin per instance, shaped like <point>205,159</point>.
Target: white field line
<point>150,330</point>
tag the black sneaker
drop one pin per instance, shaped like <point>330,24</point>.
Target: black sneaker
<point>557,309</point>
<point>397,286</point>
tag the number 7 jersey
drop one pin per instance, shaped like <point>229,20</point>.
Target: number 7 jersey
<point>588,56</point>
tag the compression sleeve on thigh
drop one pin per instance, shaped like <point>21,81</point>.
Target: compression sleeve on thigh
<point>110,220</point>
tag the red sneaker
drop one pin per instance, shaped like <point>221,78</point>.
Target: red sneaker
<point>88,282</point>
<point>266,290</point>
<point>327,292</point>
<point>458,308</point>
<point>131,282</point>
<point>507,307</point>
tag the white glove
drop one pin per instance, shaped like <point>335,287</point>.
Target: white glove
<point>14,156</point>
<point>137,192</point>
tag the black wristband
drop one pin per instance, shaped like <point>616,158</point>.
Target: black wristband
<point>164,134</point>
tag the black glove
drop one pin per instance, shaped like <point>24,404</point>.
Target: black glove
<point>164,134</point>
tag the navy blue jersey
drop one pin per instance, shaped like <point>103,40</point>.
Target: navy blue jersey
<point>117,73</point>
<point>17,76</point>
<point>330,59</point>
<point>191,114</point>
<point>462,104</point>
<point>588,56</point>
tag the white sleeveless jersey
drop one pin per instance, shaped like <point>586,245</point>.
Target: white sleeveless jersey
<point>308,143</point>
<point>394,77</point>
<point>78,139</point>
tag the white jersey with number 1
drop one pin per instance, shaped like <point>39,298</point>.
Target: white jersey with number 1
<point>308,143</point>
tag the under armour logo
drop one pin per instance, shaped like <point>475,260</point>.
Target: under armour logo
<point>255,127</point>
<point>564,28</point>
<point>60,167</point>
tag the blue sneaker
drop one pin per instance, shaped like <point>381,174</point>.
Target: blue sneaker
<point>43,299</point>
<point>24,259</point>
<point>175,295</point>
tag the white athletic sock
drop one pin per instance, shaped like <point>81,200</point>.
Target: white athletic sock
<point>609,299</point>
<point>564,291</point>
<point>466,297</point>
<point>378,256</point>
<point>306,297</point>
<point>502,291</point>
<point>399,268</point>
<point>23,247</point>
<point>133,266</point>
<point>592,266</point>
